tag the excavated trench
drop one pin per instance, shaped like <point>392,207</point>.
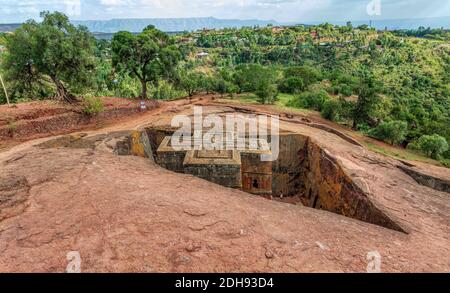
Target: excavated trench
<point>303,170</point>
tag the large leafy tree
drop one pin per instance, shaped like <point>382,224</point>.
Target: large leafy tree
<point>368,100</point>
<point>148,56</point>
<point>193,82</point>
<point>51,52</point>
<point>250,77</point>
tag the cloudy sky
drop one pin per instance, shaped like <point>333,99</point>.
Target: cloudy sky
<point>280,10</point>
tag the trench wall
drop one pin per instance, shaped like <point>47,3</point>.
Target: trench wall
<point>304,169</point>
<point>326,186</point>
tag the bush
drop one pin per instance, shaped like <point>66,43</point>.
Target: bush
<point>165,91</point>
<point>92,105</point>
<point>393,132</point>
<point>11,127</point>
<point>316,100</point>
<point>433,145</point>
<point>341,89</point>
<point>364,128</point>
<point>307,74</point>
<point>291,85</point>
<point>126,87</point>
<point>298,102</point>
<point>445,162</point>
<point>310,100</point>
<point>267,93</point>
<point>222,86</point>
<point>346,90</point>
<point>332,110</point>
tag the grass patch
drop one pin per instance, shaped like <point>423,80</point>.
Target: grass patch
<point>284,99</point>
<point>280,104</point>
<point>403,154</point>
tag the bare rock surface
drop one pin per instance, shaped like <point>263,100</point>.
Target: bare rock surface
<point>126,214</point>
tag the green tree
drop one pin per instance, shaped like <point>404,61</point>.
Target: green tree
<point>393,132</point>
<point>251,77</point>
<point>308,74</point>
<point>53,50</point>
<point>291,85</point>
<point>223,86</point>
<point>193,82</point>
<point>266,92</point>
<point>433,145</point>
<point>368,100</point>
<point>148,56</point>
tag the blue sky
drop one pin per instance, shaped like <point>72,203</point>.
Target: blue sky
<point>280,10</point>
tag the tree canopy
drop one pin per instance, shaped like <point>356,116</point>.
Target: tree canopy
<point>148,56</point>
<point>51,51</point>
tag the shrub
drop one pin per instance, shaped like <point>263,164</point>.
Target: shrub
<point>313,100</point>
<point>298,102</point>
<point>331,110</point>
<point>165,91</point>
<point>445,162</point>
<point>126,87</point>
<point>364,128</point>
<point>393,132</point>
<point>267,93</point>
<point>346,90</point>
<point>316,99</point>
<point>223,86</point>
<point>433,145</point>
<point>307,74</point>
<point>291,85</point>
<point>92,105</point>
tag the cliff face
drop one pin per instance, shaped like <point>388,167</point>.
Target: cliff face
<point>305,169</point>
<point>326,186</point>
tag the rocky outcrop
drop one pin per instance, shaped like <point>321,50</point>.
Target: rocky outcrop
<point>326,186</point>
<point>427,180</point>
<point>14,192</point>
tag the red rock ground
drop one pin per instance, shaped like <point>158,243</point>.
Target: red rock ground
<point>26,121</point>
<point>126,214</point>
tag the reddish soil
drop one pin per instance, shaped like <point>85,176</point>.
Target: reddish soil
<point>33,120</point>
<point>126,214</point>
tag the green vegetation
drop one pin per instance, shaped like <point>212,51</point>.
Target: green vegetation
<point>92,105</point>
<point>331,110</point>
<point>433,145</point>
<point>53,51</point>
<point>148,56</point>
<point>394,86</point>
<point>393,132</point>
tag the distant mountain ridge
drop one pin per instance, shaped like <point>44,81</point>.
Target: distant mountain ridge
<point>197,23</point>
<point>399,24</point>
<point>169,24</point>
<point>9,27</point>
